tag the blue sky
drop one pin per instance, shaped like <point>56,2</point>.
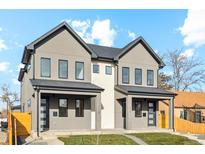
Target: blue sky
<point>160,28</point>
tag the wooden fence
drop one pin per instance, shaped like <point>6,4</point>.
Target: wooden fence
<point>181,125</point>
<point>19,124</point>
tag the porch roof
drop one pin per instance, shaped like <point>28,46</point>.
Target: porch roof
<point>151,91</point>
<point>68,85</point>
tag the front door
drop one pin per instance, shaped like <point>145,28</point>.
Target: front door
<point>44,115</point>
<point>151,113</point>
<point>124,114</point>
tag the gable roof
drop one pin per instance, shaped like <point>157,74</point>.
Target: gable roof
<point>30,47</point>
<point>189,99</point>
<point>132,44</point>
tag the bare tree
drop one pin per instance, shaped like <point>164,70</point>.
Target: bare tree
<point>187,72</point>
<point>164,81</point>
<point>8,97</point>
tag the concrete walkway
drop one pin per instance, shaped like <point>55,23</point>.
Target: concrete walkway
<point>46,142</point>
<point>136,139</point>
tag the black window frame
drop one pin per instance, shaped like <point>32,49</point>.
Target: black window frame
<point>80,62</point>
<point>59,69</point>
<point>49,67</point>
<point>135,102</point>
<point>136,76</point>
<point>152,84</point>
<point>80,112</point>
<point>66,108</point>
<point>98,68</point>
<point>126,82</point>
<point>106,70</point>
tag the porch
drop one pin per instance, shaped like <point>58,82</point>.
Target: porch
<point>138,107</point>
<point>63,105</point>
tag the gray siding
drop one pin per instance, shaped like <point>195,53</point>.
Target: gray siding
<point>63,46</point>
<point>138,57</point>
<point>71,122</point>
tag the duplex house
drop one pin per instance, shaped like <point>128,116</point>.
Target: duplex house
<point>68,84</point>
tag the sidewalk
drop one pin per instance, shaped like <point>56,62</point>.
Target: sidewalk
<point>197,137</point>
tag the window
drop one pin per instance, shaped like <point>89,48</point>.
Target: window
<point>63,69</point>
<point>45,67</point>
<point>79,70</point>
<point>95,68</point>
<point>138,108</point>
<point>79,108</point>
<point>138,76</point>
<point>63,107</point>
<point>198,116</point>
<point>108,70</point>
<point>185,114</point>
<point>125,75</point>
<point>150,77</point>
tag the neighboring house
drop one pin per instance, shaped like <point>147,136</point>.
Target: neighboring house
<point>16,108</point>
<point>188,105</point>
<point>68,84</point>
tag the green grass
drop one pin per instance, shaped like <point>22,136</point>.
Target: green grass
<point>165,139</point>
<point>110,139</point>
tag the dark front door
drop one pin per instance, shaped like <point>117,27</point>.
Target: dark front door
<point>124,114</point>
<point>151,113</point>
<point>44,114</point>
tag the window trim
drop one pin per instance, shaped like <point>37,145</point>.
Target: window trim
<point>76,70</point>
<point>128,75</point>
<point>59,69</point>
<point>135,101</point>
<point>106,69</point>
<point>62,107</point>
<point>153,78</point>
<point>135,76</point>
<point>83,107</point>
<point>98,68</point>
<point>49,67</point>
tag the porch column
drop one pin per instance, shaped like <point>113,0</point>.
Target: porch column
<point>171,113</point>
<point>98,111</point>
<point>128,112</point>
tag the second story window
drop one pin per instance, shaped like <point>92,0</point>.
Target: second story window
<point>63,69</point>
<point>138,76</point>
<point>45,67</point>
<point>150,77</point>
<point>79,71</point>
<point>108,70</point>
<point>95,68</point>
<point>125,75</point>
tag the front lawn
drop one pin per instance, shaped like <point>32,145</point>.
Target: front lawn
<point>111,139</point>
<point>165,139</point>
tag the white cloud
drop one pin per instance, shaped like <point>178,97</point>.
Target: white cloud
<point>193,28</point>
<point>132,35</point>
<point>156,51</point>
<point>1,29</point>
<point>99,31</point>
<point>20,66</point>
<point>188,53</point>
<point>4,66</point>
<point>2,45</point>
<point>15,81</point>
<point>102,32</point>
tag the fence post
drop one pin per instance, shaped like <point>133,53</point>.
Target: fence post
<point>15,135</point>
<point>9,127</point>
